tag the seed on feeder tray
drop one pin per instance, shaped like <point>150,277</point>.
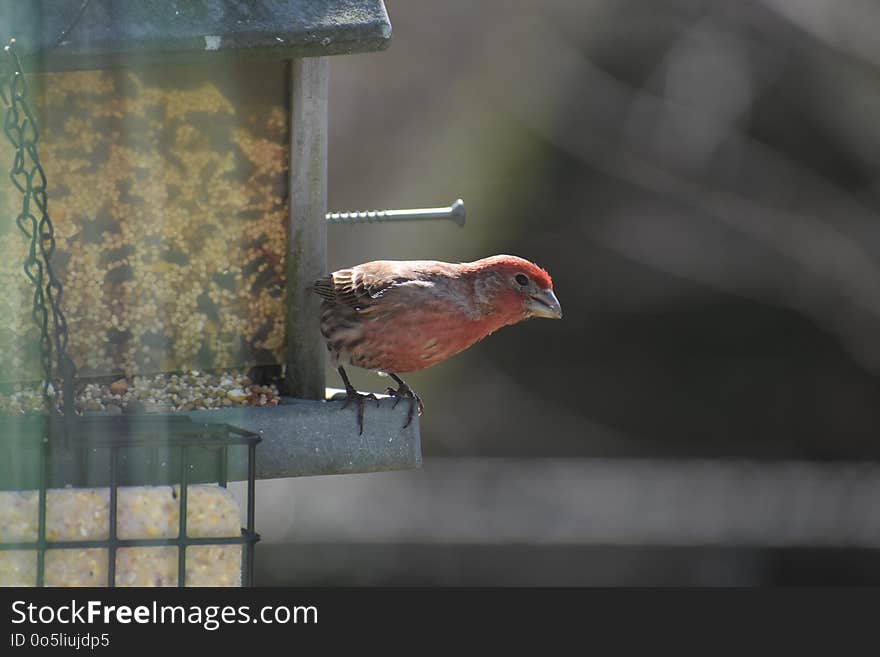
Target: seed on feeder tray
<point>237,395</point>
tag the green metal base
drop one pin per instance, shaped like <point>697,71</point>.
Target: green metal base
<point>298,438</point>
<point>302,438</point>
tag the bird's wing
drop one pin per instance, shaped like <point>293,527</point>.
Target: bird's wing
<point>358,287</point>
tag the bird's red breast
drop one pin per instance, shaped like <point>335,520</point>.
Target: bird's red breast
<point>404,316</point>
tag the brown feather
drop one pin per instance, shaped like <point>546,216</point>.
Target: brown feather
<point>357,287</point>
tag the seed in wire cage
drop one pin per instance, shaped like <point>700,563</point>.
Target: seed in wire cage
<point>143,512</point>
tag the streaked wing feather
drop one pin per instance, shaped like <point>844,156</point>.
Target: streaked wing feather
<point>323,287</point>
<point>357,288</point>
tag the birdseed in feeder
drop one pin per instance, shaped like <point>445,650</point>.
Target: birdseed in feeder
<point>159,393</point>
<point>168,194</point>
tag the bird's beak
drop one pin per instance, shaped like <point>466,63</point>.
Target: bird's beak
<point>544,304</point>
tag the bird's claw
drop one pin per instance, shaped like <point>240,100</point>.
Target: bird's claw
<point>352,395</point>
<point>403,391</point>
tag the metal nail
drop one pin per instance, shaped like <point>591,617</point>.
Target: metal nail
<point>454,213</point>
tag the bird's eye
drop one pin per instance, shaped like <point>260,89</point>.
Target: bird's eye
<point>522,279</point>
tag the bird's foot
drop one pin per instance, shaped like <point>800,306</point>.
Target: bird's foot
<point>403,391</point>
<point>352,395</point>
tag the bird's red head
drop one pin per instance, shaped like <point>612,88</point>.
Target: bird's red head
<point>516,265</point>
<point>518,288</point>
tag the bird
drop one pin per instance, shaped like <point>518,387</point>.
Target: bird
<point>401,316</point>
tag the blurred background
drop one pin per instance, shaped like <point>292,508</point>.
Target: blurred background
<point>701,180</point>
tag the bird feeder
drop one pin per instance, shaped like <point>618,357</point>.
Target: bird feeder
<point>168,208</point>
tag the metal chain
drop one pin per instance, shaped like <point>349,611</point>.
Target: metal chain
<point>29,178</point>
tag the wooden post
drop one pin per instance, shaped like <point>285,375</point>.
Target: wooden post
<point>307,236</point>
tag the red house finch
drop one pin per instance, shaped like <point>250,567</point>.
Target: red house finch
<point>403,316</point>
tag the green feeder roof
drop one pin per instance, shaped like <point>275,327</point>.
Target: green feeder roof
<point>78,34</point>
